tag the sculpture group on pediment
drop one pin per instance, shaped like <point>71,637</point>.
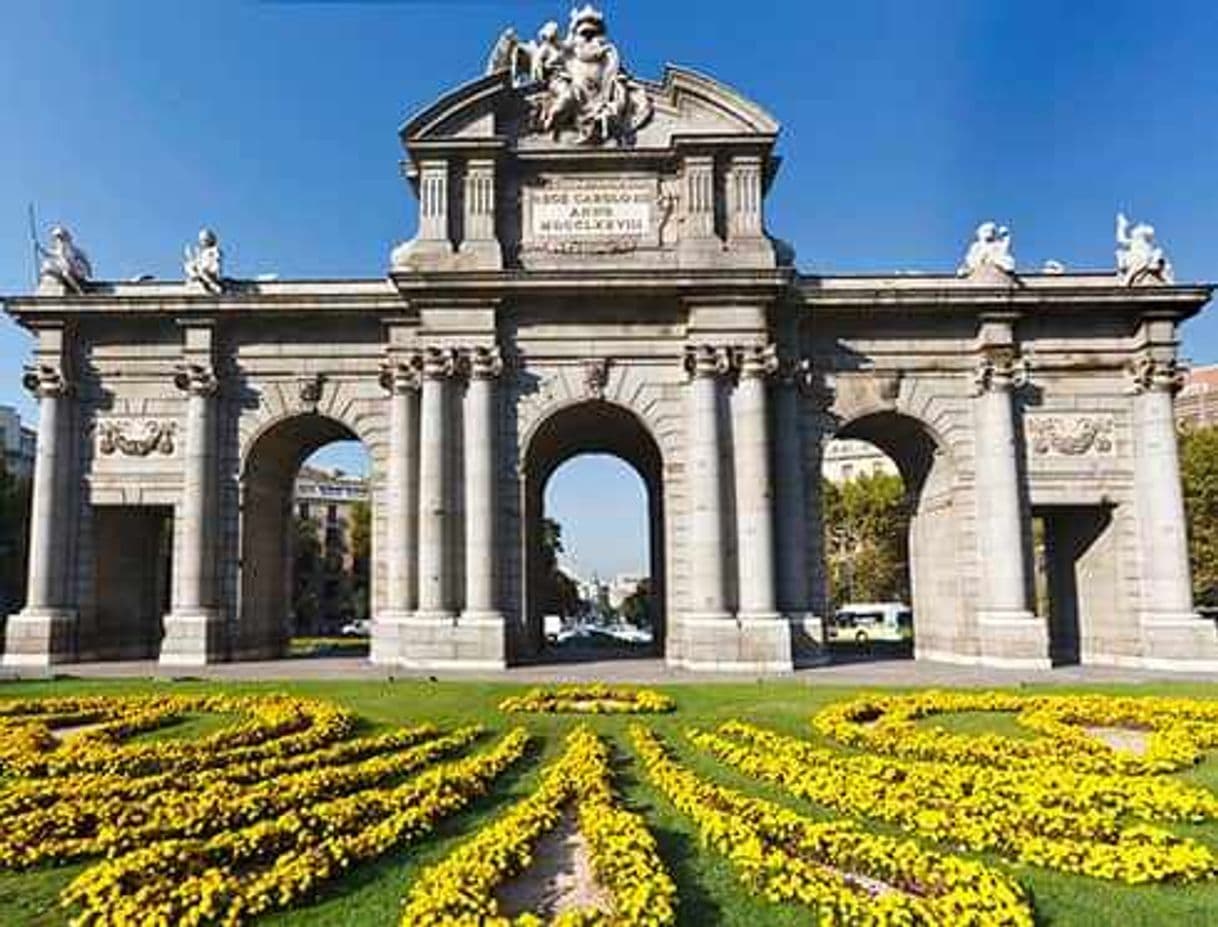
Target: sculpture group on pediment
<point>586,90</point>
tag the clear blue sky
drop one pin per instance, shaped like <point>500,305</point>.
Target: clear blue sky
<point>905,123</point>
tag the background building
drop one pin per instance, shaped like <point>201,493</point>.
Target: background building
<point>17,443</point>
<point>846,458</point>
<point>1197,402</point>
<point>330,583</point>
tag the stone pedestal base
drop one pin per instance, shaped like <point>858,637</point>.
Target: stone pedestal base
<point>1179,642</point>
<point>754,644</point>
<point>192,639</point>
<point>40,637</point>
<point>1013,640</point>
<point>437,640</point>
<point>479,255</point>
<point>807,639</point>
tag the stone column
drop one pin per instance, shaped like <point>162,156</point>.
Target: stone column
<point>43,632</point>
<point>439,366</point>
<point>401,378</point>
<point>481,600</point>
<point>192,635</point>
<point>1173,635</point>
<point>754,492</point>
<point>708,365</point>
<point>1010,634</point>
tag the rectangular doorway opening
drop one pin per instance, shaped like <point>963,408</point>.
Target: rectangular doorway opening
<point>1075,574</point>
<point>133,546</point>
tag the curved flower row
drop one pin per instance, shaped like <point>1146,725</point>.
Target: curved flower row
<point>1179,729</point>
<point>847,875</point>
<point>239,874</point>
<point>1043,816</point>
<point>596,698</point>
<point>460,889</point>
<point>87,825</point>
<point>269,726</point>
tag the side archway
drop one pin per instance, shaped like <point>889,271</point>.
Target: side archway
<point>926,466</point>
<point>593,426</point>
<point>269,469</point>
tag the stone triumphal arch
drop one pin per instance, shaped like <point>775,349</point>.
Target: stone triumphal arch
<point>593,271</point>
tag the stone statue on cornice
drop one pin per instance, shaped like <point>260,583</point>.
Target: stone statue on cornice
<point>203,264</point>
<point>989,253</point>
<point>1139,259</point>
<point>64,262</point>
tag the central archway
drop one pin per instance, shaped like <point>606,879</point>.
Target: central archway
<point>594,426</point>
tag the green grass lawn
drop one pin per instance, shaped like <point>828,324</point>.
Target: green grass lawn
<point>709,892</point>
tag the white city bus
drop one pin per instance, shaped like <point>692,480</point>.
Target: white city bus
<point>863,622</point>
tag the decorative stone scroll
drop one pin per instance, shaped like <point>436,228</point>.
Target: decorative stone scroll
<point>596,377</point>
<point>196,379</point>
<point>709,360</point>
<point>403,373</point>
<point>758,360</point>
<point>1000,370</point>
<point>1147,374</point>
<point>1071,435</point>
<point>113,437</point>
<point>310,389</point>
<point>46,380</point>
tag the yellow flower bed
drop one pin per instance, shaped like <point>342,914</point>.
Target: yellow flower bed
<point>847,875</point>
<point>1178,729</point>
<point>223,827</point>
<point>1046,815</point>
<point>234,876</point>
<point>594,699</point>
<point>460,889</point>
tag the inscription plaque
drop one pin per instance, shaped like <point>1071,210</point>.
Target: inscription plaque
<point>609,215</point>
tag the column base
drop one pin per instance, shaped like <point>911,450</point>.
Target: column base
<point>40,637</point>
<point>440,640</point>
<point>1013,639</point>
<point>192,638</point>
<point>1178,641</point>
<point>807,638</point>
<point>748,644</point>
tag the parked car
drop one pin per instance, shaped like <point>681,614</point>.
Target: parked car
<point>360,627</point>
<point>864,622</point>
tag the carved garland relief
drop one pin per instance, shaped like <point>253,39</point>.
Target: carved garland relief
<point>1071,435</point>
<point>116,437</point>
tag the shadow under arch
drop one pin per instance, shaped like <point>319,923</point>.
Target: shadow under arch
<point>593,426</point>
<point>269,469</point>
<point>925,463</point>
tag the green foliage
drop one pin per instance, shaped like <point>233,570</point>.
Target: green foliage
<point>867,539</point>
<point>636,607</point>
<point>14,537</point>
<point>1199,475</point>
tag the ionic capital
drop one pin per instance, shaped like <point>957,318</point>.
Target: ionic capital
<point>758,361</point>
<point>485,363</point>
<point>46,381</point>
<point>441,363</point>
<point>1000,371</point>
<point>402,374</point>
<point>1148,375</point>
<point>196,379</point>
<point>708,360</point>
